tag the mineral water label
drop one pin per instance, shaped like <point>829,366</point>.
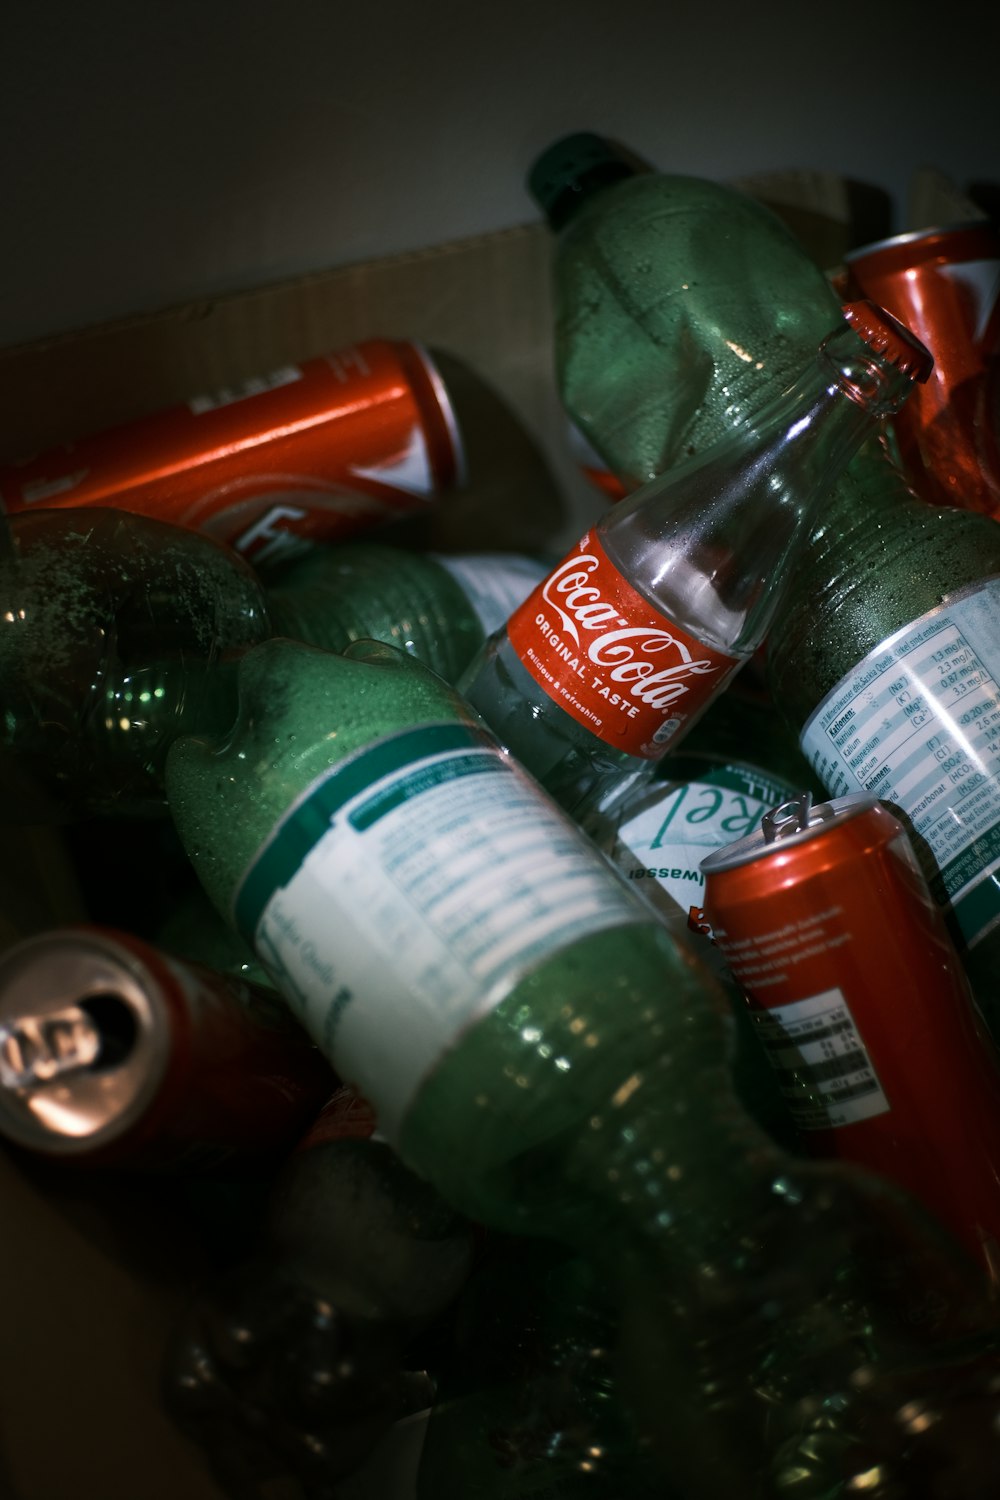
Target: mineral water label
<point>824,1070</point>
<point>917,723</point>
<point>494,583</point>
<point>406,893</point>
<point>602,653</point>
<point>681,822</point>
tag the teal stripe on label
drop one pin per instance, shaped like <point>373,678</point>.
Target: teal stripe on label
<point>387,799</point>
<point>977,911</point>
<point>731,775</point>
<point>978,908</point>
<point>965,866</point>
<point>304,825</point>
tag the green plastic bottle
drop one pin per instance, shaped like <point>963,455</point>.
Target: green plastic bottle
<point>885,660</point>
<point>526,1404</point>
<point>294,1362</point>
<point>116,632</point>
<point>541,1049</point>
<point>681,304</point>
<point>193,929</point>
<point>438,607</point>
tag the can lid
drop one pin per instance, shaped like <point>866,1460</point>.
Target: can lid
<point>445,444</point>
<point>793,822</point>
<point>565,175</point>
<point>82,1052</point>
<point>983,235</point>
<point>889,338</point>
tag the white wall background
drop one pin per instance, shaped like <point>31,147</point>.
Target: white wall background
<point>158,150</point>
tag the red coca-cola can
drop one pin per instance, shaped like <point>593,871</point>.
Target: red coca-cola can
<point>312,452</point>
<point>114,1053</point>
<point>943,283</point>
<point>861,1003</point>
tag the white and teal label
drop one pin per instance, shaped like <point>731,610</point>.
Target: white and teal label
<point>681,822</point>
<point>406,893</point>
<point>917,723</point>
<point>494,583</point>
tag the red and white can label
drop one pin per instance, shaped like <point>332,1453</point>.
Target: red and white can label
<point>606,656</point>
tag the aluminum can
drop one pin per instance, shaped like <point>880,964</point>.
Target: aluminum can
<point>858,996</point>
<point>312,452</point>
<point>113,1053</point>
<point>944,284</point>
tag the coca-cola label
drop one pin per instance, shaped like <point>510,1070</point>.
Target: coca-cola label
<point>606,656</point>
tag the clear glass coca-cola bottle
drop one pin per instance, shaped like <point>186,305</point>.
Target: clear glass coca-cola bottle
<point>619,650</point>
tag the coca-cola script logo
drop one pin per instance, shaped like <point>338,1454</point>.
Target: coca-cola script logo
<point>624,651</point>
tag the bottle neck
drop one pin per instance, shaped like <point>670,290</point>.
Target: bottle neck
<point>716,538</point>
<point>834,405</point>
<point>580,192</point>
<point>572,171</point>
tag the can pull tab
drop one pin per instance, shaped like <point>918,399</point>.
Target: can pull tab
<point>36,1049</point>
<point>790,817</point>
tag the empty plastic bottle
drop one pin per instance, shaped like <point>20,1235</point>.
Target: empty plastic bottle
<point>526,1401</point>
<point>438,607</point>
<point>538,1046</point>
<point>118,631</point>
<point>294,1363</point>
<point>681,304</point>
<point>885,661</point>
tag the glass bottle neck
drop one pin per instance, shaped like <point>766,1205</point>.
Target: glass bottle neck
<point>711,542</point>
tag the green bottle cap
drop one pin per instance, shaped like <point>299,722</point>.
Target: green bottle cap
<point>570,170</point>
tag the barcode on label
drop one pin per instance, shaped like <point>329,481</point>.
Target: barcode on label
<point>823,1066</point>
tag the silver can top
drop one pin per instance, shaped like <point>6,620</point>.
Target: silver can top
<point>793,822</point>
<point>84,1041</point>
<point>917,237</point>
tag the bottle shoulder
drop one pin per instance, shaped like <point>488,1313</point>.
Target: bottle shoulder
<point>930,550</point>
<point>865,578</point>
<point>679,193</point>
<point>655,227</point>
<point>667,326</point>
